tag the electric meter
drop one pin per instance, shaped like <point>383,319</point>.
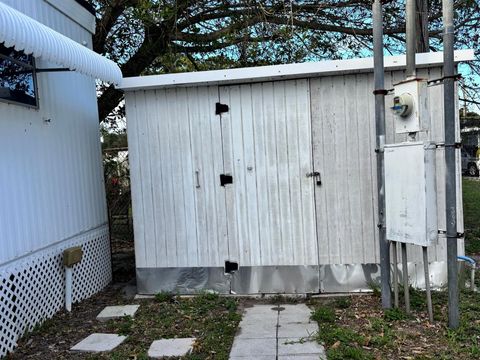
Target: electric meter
<point>403,105</point>
<point>410,106</point>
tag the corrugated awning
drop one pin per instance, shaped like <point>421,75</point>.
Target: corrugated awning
<point>28,35</point>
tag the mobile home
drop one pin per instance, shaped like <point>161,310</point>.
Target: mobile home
<point>51,179</point>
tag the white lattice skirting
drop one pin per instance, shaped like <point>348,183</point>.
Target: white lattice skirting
<point>32,288</point>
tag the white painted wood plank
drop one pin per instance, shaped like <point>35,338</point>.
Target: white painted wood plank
<point>228,161</point>
<point>342,165</point>
<point>293,119</point>
<point>319,161</point>
<point>330,184</point>
<point>146,179</point>
<point>196,122</point>
<point>175,199</point>
<point>272,171</point>
<point>307,196</point>
<point>167,131</point>
<point>188,245</point>
<point>240,202</point>
<point>367,168</point>
<point>353,110</point>
<point>248,173</point>
<point>261,163</point>
<point>218,209</point>
<point>135,178</point>
<point>163,213</point>
<point>205,188</point>
<point>286,246</point>
<point>150,159</point>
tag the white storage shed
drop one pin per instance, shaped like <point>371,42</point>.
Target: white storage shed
<point>52,193</point>
<point>263,180</point>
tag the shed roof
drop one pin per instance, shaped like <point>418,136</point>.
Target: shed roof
<point>281,72</point>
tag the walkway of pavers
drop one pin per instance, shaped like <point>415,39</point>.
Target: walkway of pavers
<point>266,332</point>
<point>269,332</point>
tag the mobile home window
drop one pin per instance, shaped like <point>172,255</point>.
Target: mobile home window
<point>17,77</point>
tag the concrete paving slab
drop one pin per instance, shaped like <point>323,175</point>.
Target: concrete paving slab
<point>267,357</point>
<point>253,348</point>
<point>299,346</point>
<point>261,310</point>
<point>295,313</point>
<point>143,297</point>
<point>297,330</point>
<point>116,312</point>
<point>99,343</point>
<point>303,357</point>
<point>170,347</point>
<point>256,330</point>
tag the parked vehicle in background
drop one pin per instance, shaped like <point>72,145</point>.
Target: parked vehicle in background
<point>470,164</point>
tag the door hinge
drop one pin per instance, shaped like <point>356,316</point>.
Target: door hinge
<point>225,179</point>
<point>317,176</point>
<point>220,108</point>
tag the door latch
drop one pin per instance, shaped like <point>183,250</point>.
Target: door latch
<point>317,176</point>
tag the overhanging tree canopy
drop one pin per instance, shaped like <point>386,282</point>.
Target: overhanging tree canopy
<point>161,36</point>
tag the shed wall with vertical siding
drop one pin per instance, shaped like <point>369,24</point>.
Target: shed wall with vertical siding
<point>274,133</point>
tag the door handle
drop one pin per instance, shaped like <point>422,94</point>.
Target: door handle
<point>317,176</point>
<point>197,176</point>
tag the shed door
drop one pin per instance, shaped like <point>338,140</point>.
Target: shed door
<point>343,151</point>
<point>267,145</point>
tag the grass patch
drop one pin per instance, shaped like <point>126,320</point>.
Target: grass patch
<point>211,319</point>
<point>394,314</point>
<point>323,314</point>
<point>343,352</point>
<point>163,297</point>
<point>341,342</point>
<point>471,215</point>
<point>343,302</point>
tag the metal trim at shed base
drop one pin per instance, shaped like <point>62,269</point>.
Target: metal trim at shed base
<point>339,278</point>
<point>300,214</point>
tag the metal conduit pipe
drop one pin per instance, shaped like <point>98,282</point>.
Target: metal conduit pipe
<point>450,172</point>
<point>379,80</point>
<point>411,38</point>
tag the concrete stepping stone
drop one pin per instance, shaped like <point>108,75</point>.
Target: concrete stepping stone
<point>116,312</point>
<point>170,347</point>
<point>99,343</point>
<point>300,346</point>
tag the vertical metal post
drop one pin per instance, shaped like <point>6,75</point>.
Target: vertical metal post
<point>395,273</point>
<point>406,289</point>
<point>427,283</point>
<point>380,141</point>
<point>411,37</point>
<point>450,173</point>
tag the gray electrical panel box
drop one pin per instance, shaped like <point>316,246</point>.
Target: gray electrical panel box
<point>410,193</point>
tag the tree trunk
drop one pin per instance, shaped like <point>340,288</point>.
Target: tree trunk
<point>422,26</point>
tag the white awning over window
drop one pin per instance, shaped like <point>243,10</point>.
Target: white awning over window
<point>28,35</point>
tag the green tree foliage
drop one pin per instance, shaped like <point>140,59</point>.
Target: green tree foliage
<point>165,36</point>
